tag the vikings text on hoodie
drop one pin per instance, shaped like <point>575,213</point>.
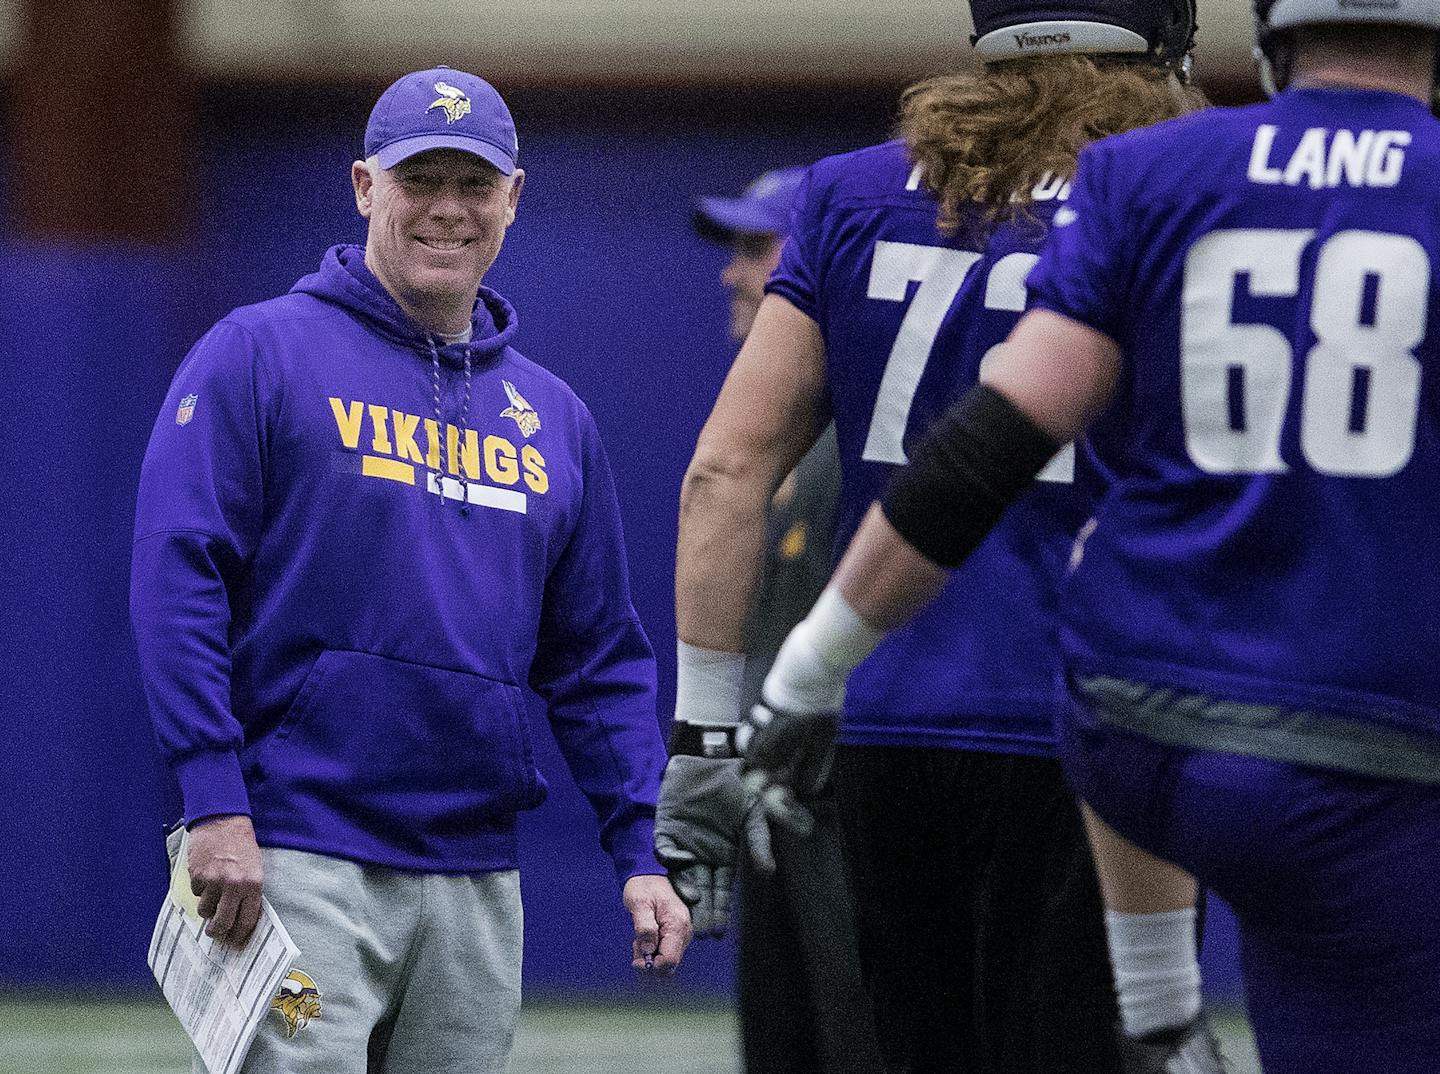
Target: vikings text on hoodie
<point>355,546</point>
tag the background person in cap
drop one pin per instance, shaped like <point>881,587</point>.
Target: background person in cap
<point>803,1007</point>
<point>753,228</point>
<point>980,921</point>
<point>366,525</point>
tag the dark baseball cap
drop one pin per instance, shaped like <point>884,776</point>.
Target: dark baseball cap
<point>1008,29</point>
<point>764,208</point>
<point>441,109</point>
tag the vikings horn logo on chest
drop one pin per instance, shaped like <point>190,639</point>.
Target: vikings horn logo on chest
<point>523,413</point>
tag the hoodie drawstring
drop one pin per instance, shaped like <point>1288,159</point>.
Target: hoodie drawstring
<point>464,424</point>
<point>440,422</point>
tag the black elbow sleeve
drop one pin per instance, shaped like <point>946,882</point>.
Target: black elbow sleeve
<point>971,465</point>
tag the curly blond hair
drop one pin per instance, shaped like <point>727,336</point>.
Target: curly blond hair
<point>987,138</point>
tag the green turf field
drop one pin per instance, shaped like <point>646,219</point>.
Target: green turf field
<point>80,1037</point>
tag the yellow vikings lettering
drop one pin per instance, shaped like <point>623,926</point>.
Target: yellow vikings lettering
<point>500,460</point>
<point>432,444</point>
<point>349,420</point>
<point>405,446</point>
<point>378,417</point>
<point>397,447</point>
<point>535,475</point>
<point>468,457</point>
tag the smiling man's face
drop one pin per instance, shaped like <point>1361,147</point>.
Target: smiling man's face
<point>437,220</point>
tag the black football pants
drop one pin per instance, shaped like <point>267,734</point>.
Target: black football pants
<point>981,928</point>
<point>803,1008</point>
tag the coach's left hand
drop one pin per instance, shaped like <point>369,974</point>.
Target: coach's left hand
<point>662,924</point>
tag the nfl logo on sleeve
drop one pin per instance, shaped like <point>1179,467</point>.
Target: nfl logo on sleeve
<point>186,410</point>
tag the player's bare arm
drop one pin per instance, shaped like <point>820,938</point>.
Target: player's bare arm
<point>883,577</point>
<point>769,413</point>
<point>1058,372</point>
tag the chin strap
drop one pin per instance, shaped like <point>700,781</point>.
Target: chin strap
<point>1274,60</point>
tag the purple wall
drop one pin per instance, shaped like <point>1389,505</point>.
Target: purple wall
<point>614,294</point>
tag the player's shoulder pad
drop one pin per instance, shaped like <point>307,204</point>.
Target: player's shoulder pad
<point>874,171</point>
<point>1175,144</point>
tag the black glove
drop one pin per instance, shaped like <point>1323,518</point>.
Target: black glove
<point>788,757</point>
<point>703,810</point>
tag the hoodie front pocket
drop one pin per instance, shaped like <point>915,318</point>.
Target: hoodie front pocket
<point>374,735</point>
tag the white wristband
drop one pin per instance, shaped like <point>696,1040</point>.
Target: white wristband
<point>810,672</point>
<point>841,637</point>
<point>708,685</point>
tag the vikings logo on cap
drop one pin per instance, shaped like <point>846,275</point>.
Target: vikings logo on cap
<point>298,1000</point>
<point>185,411</point>
<point>454,101</point>
<point>523,413</point>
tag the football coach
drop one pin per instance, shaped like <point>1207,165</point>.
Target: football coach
<point>367,526</point>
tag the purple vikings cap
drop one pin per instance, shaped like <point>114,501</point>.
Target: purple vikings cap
<point>764,208</point>
<point>441,109</point>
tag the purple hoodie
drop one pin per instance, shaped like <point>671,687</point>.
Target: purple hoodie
<point>354,548</point>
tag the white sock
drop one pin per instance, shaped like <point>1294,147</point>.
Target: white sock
<point>1157,977</point>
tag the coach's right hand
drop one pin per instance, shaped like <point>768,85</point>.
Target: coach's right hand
<point>226,876</point>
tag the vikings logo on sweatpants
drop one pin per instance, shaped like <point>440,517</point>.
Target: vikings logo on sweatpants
<point>298,1000</point>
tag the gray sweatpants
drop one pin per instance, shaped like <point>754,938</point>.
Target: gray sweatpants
<point>415,973</point>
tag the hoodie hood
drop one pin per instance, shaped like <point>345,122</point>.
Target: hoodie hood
<point>344,280</point>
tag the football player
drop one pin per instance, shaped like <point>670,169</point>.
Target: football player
<point>802,1007</point>
<point>1240,308</point>
<point>980,924</point>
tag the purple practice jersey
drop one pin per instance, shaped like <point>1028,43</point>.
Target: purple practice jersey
<point>1269,532</point>
<point>908,315</point>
